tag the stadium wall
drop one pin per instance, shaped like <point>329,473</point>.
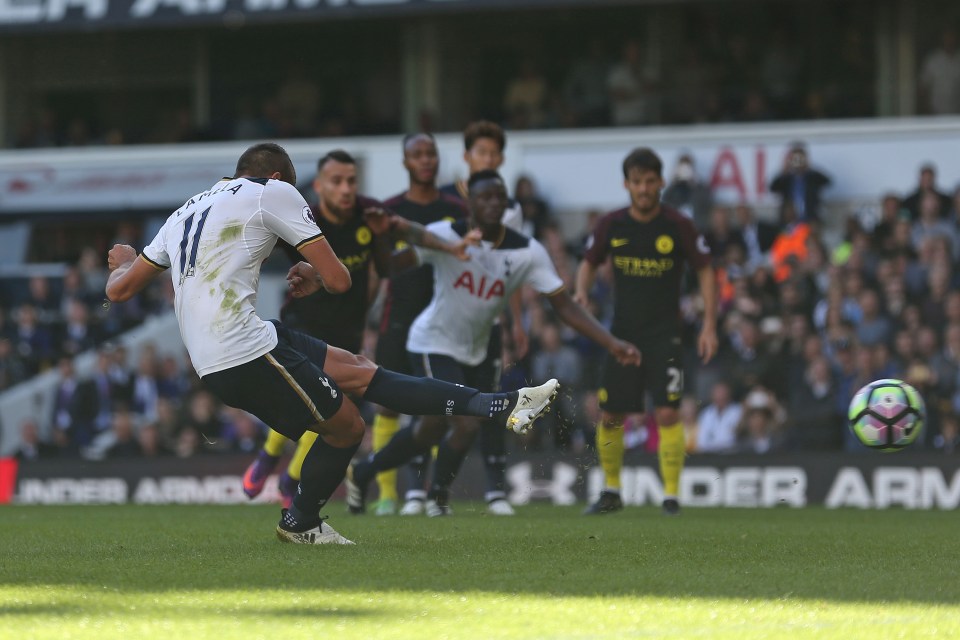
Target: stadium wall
<point>575,170</point>
<point>867,481</point>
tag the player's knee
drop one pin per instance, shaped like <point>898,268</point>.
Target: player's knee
<point>356,430</point>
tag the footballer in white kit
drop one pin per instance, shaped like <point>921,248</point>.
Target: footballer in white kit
<point>449,340</point>
<point>469,296</point>
<point>214,246</point>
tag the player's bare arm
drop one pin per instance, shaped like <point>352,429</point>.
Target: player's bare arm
<point>586,273</point>
<point>128,275</point>
<point>578,318</point>
<point>707,341</point>
<point>324,270</point>
<point>414,233</point>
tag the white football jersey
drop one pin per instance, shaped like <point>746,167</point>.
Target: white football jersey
<point>214,245</point>
<point>468,296</point>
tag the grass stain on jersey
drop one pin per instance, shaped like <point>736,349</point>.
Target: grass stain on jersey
<point>231,302</point>
<point>230,232</point>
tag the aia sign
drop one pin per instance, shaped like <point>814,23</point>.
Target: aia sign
<point>481,288</point>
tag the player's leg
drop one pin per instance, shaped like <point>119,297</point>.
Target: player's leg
<point>451,453</point>
<point>493,439</point>
<point>410,395</point>
<point>391,354</point>
<point>415,497</point>
<point>263,465</point>
<point>620,393</point>
<point>290,478</point>
<point>292,395</point>
<point>665,381</point>
<point>386,423</point>
<point>406,444</point>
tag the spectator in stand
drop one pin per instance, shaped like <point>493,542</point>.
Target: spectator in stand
<point>146,393</point>
<point>874,326</point>
<point>890,209</point>
<point>174,381</point>
<point>926,184</point>
<point>299,101</point>
<point>814,423</point>
<point>32,446</point>
<point>526,97</point>
<point>202,415</point>
<point>758,235</point>
<point>940,77</point>
<point>717,423</point>
<point>32,341</point>
<point>563,363</point>
<point>167,424</point>
<point>12,369</point>
<point>760,429</point>
<point>77,335</point>
<point>800,185</point>
<point>748,361</point>
<point>688,193</point>
<point>948,440</point>
<point>690,421</point>
<point>632,87</point>
<point>148,440</point>
<point>41,297</point>
<point>244,432</point>
<point>932,223</point>
<point>721,235</point>
<point>946,364</point>
<point>536,212</point>
<point>585,87</point>
<point>781,73</point>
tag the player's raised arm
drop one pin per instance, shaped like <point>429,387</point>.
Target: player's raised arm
<point>578,318</point>
<point>128,275</point>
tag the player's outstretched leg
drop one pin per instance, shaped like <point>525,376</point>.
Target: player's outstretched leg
<point>263,465</point>
<point>517,410</point>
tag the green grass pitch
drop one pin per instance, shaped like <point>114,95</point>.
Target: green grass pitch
<point>185,573</point>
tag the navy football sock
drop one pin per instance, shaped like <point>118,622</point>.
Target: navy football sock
<point>323,469</point>
<point>445,468</point>
<point>493,444</point>
<point>430,397</point>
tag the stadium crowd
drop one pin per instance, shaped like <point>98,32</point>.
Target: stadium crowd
<point>722,75</point>
<point>802,325</point>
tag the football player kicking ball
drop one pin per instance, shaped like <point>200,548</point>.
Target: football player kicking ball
<point>449,340</point>
<point>649,245</point>
<point>214,245</point>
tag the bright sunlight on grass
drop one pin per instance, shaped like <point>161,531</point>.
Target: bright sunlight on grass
<point>182,573</point>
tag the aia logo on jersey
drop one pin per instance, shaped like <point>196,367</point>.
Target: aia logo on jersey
<point>481,288</point>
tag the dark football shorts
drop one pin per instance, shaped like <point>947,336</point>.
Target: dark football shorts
<point>392,348</point>
<point>484,376</point>
<point>286,388</point>
<point>622,388</point>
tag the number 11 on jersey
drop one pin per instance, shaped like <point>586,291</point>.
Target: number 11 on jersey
<point>188,270</point>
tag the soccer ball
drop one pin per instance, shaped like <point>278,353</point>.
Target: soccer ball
<point>887,414</point>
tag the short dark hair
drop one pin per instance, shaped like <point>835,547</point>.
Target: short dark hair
<point>413,136</point>
<point>643,158</point>
<point>264,159</point>
<point>480,176</point>
<point>484,129</point>
<point>337,155</point>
